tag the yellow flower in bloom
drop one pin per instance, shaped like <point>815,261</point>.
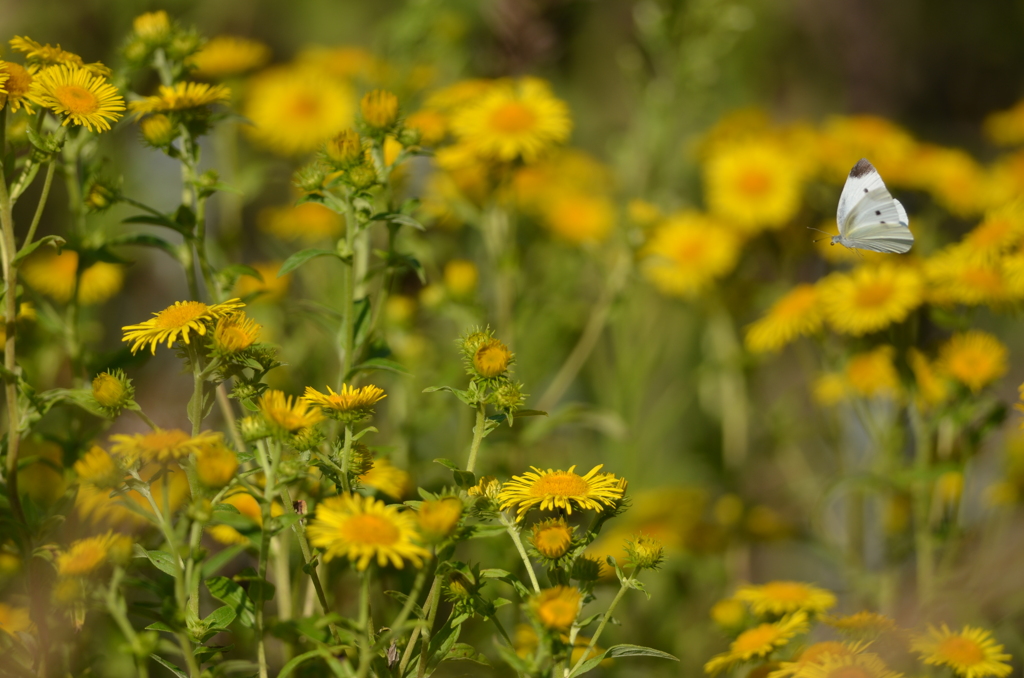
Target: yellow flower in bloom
<point>958,275</point>
<point>578,217</point>
<point>783,597</point>
<point>932,388</point>
<point>51,273</point>
<point>179,321</point>
<point>460,277</point>
<point>549,490</point>
<point>864,624</point>
<point>514,119</point>
<point>438,518</point>
<point>97,467</point>
<point>552,537</point>
<point>759,641</point>
<point>183,96</point>
<point>364,529</point>
<point>385,477</point>
<point>872,373</point>
<point>844,139</point>
<point>817,653</point>
<point>687,253</point>
<point>565,171</point>
<point>557,607</point>
<point>492,359</point>
<point>345,63</point>
<point>287,413</point>
<point>869,298</point>
<point>161,446</point>
<point>268,287</point>
<point>15,86</point>
<point>754,185</point>
<point>864,665</point>
<point>226,55</point>
<point>460,94</point>
<point>970,652</point>
<point>86,555</point>
<point>796,314</point>
<point>1000,231</point>
<point>432,126</point>
<point>216,464</point>
<point>97,506</point>
<point>973,358</point>
<point>38,54</point>
<point>158,130</point>
<point>235,332</point>
<point>248,507</point>
<point>955,179</point>
<point>100,282</point>
<point>152,26</point>
<point>309,222</point>
<point>379,109</point>
<point>83,98</point>
<point>729,613</point>
<point>294,110</point>
<point>348,402</point>
<point>14,620</point>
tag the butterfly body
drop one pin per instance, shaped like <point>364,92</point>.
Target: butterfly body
<point>869,217</point>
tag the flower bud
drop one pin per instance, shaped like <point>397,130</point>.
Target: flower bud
<point>361,177</point>
<point>100,195</point>
<point>552,538</point>
<point>310,178</point>
<point>216,465</point>
<point>438,518</point>
<point>345,150</point>
<point>112,391</point>
<point>645,553</point>
<point>158,130</point>
<point>492,359</point>
<point>380,109</point>
<point>152,27</point>
<point>253,428</point>
<point>460,277</point>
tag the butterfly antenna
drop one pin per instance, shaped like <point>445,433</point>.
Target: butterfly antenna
<point>820,239</point>
<point>819,231</point>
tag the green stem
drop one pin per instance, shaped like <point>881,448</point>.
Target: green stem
<point>47,182</point>
<point>478,435</point>
<point>307,554</point>
<point>366,630</point>
<point>428,629</point>
<point>604,622</point>
<point>513,531</point>
<point>925,546</point>
<point>414,636</point>
<point>149,422</point>
<point>116,607</point>
<point>261,573</point>
<point>229,417</point>
<point>348,292</point>
<point>195,406</point>
<point>346,451</point>
<point>403,615</point>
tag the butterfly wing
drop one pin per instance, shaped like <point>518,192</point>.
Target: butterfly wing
<point>871,218</point>
<point>862,181</point>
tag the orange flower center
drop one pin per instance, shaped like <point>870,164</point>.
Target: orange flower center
<point>560,485</point>
<point>757,640</point>
<point>558,613</point>
<point>20,81</point>
<point>163,440</point>
<point>982,279</point>
<point>77,99</point>
<point>873,294</point>
<point>690,250</point>
<point>305,106</point>
<point>370,530</point>
<point>796,304</point>
<point>513,118</point>
<point>180,315</point>
<point>961,651</point>
<point>754,182</point>
<point>552,541</point>
<point>785,592</point>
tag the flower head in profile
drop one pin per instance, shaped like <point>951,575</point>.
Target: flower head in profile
<point>552,537</point>
<point>974,358</point>
<point>557,607</point>
<point>970,652</point>
<point>862,665</point>
<point>387,478</point>
<point>755,184</point>
<point>286,413</point>
<point>959,275</point>
<point>98,468</point>
<point>687,253</point>
<point>235,332</point>
<point>350,404</point>
<point>784,597</point>
<point>87,555</point>
<point>817,653</point>
<point>365,530</point>
<point>224,56</point>
<point>864,624</point>
<point>161,446</point>
<point>758,642</point>
<point>438,518</point>
<point>873,374</point>
<point>645,552</point>
<point>82,97</point>
<point>15,86</point>
<point>182,97</point>
<point>38,54</point>
<point>514,119</point>
<point>796,314</point>
<point>153,27</point>
<point>549,490</point>
<point>181,321</point>
<point>870,298</point>
<point>309,222</point>
<point>379,109</point>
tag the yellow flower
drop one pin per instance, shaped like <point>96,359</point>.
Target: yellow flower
<point>345,63</point>
<point>759,641</point>
<point>183,96</point>
<point>687,253</point>
<point>294,110</point>
<point>932,388</point>
<point>960,275</point>
<point>152,26</point>
<point>43,479</point>
<point>216,464</point>
<point>97,506</point>
<point>161,445</point>
<point>14,620</point>
<point>54,275</point>
<point>955,179</point>
<point>557,607</point>
<point>999,232</point>
<point>973,358</point>
<point>83,98</point>
<point>870,298</point>
<point>268,288</point>
<point>224,56</point>
<point>817,653</point>
<point>970,652</point>
<point>15,86</point>
<point>87,555</point>
<point>461,277</point>
<point>387,478</point>
<point>1006,128</point>
<point>349,404</point>
<point>548,490</point>
<point>344,150</point>
<point>379,109</point>
<point>38,54</point>
<point>796,314</point>
<point>100,282</point>
<point>514,119</point>
<point>235,332</point>
<point>438,518</point>
<point>861,624</point>
<point>364,529</point>
<point>872,373</point>
<point>492,359</point>
<point>645,552</point>
<point>844,139</point>
<point>248,507</point>
<point>864,665</point>
<point>487,487</point>
<point>286,413</point>
<point>112,390</point>
<point>158,130</point>
<point>309,222</point>
<point>753,184</point>
<point>179,321</point>
<point>552,537</point>
<point>432,126</point>
<point>578,217</point>
<point>783,597</point>
<point>98,468</point>
<point>729,613</point>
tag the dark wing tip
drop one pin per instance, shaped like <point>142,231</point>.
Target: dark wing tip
<point>861,168</point>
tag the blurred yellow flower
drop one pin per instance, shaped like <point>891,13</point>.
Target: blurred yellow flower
<point>1006,128</point>
<point>343,62</point>
<point>80,96</point>
<point>15,86</point>
<point>783,597</point>
<point>869,298</point>
<point>864,665</point>
<point>687,253</point>
<point>551,537</point>
<point>97,506</point>
<point>974,358</point>
<point>759,641</point>
<point>43,479</point>
<point>152,26</point>
<point>461,277</point>
<point>14,620</point>
<point>754,185</point>
<point>216,464</point>
<point>864,624</point>
<point>158,130</point>
<point>100,282</point>
<point>566,170</point>
<point>160,446</point>
<point>432,126</point>
<point>438,518</point>
<point>270,289</point>
<point>970,652</point>
<point>557,607</point>
<point>287,413</point>
<point>550,490</point>
<point>364,529</point>
<point>514,119</point>
<point>224,56</point>
<point>1001,231</point>
<point>729,613</point>
<point>379,109</point>
<point>845,139</point>
<point>179,321</point>
<point>294,110</point>
<point>86,555</point>
<point>37,54</point>
<point>309,222</point>
<point>873,374</point>
<point>817,653</point>
<point>578,217</point>
<point>182,96</point>
<point>97,467</point>
<point>958,275</point>
<point>955,179</point>
<point>796,314</point>
<point>385,477</point>
<point>459,95</point>
<point>932,387</point>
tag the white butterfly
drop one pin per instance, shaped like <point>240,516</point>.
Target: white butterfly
<point>869,217</point>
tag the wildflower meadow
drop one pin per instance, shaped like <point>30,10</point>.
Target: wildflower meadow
<point>511,338</point>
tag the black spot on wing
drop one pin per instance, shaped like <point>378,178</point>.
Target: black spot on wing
<point>861,168</point>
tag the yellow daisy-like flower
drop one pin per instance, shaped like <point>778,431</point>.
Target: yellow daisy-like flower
<point>294,110</point>
<point>753,184</point>
<point>235,332</point>
<point>179,321</point>
<point>432,126</point>
<point>796,314</point>
<point>80,96</point>
<point>100,282</point>
<point>38,54</point>
<point>438,518</point>
<point>578,217</point>
<point>161,446</point>
<point>14,620</point>
<point>864,665</point>
<point>844,139</point>
<point>759,641</point>
<point>286,412</point>
<point>309,222</point>
<point>970,652</point>
<point>783,597</point>
<point>112,390</point>
<point>183,96</point>
<point>15,86</point>
<point>224,56</point>
<point>268,288</point>
<point>956,180</point>
<point>349,401</point>
<point>552,537</point>
<point>999,232</point>
<point>870,298</point>
<point>865,623</point>
<point>974,358</point>
<point>514,119</point>
<point>959,275</point>
<point>549,490</point>
<point>54,275</point>
<point>932,387</point>
<point>687,253</point>
<point>385,477</point>
<point>87,555</point>
<point>97,467</point>
<point>873,374</point>
<point>817,653</point>
<point>152,27</point>
<point>216,464</point>
<point>557,607</point>
<point>364,529</point>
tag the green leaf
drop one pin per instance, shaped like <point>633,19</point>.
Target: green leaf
<point>161,560</point>
<point>378,364</point>
<point>154,220</point>
<point>220,559</point>
<point>231,593</point>
<point>465,652</point>
<point>508,578</point>
<point>627,650</point>
<point>55,240</point>
<point>160,626</point>
<point>484,531</point>
<point>220,618</point>
<point>169,666</point>
<point>185,217</point>
<point>448,464</point>
<point>590,664</point>
<point>301,257</point>
<point>464,396</point>
<point>208,396</point>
